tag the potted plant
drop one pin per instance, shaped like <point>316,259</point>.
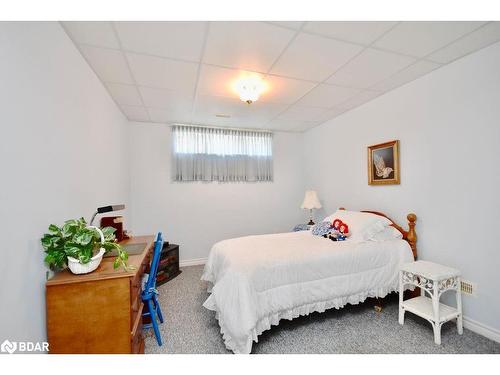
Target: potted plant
<point>80,247</point>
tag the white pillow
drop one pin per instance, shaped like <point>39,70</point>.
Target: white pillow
<point>389,233</point>
<point>362,225</point>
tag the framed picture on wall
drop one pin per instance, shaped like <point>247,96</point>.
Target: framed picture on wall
<point>383,163</point>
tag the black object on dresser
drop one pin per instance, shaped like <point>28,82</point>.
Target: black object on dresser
<point>169,263</point>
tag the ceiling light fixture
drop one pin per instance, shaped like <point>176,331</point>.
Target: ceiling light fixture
<point>250,88</point>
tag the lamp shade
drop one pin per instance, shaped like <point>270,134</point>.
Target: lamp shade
<point>310,200</point>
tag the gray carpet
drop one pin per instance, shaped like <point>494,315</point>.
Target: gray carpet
<point>190,328</point>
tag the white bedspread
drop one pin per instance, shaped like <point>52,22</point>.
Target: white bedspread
<point>258,280</point>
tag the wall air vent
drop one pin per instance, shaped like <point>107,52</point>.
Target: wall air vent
<point>468,287</point>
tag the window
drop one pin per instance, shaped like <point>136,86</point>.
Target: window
<point>226,155</point>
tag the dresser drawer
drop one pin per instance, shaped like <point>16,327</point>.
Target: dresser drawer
<point>145,264</point>
<point>135,282</point>
<point>136,289</point>
<point>135,302</point>
<point>137,339</point>
<point>137,346</point>
<point>135,309</point>
<point>144,267</point>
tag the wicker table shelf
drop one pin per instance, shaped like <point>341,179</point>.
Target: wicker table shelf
<point>434,279</point>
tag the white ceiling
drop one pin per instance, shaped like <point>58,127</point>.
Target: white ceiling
<point>182,72</point>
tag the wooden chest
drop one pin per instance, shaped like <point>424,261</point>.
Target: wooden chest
<point>99,312</point>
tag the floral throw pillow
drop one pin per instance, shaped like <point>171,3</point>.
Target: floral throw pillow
<point>321,229</point>
<point>300,227</point>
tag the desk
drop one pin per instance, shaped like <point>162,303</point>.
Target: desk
<point>99,312</point>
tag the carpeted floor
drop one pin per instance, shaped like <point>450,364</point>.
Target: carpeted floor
<point>190,328</point>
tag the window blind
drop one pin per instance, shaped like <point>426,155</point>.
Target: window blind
<point>218,154</point>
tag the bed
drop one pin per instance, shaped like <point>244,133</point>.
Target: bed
<point>256,281</point>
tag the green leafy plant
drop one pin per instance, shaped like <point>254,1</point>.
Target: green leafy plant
<point>77,240</point>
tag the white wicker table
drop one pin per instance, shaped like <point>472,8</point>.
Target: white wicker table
<point>434,279</point>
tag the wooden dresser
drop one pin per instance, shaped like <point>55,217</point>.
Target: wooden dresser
<point>99,312</point>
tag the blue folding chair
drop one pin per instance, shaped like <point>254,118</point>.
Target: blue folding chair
<point>149,293</point>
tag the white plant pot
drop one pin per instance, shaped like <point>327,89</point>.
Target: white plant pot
<point>79,268</point>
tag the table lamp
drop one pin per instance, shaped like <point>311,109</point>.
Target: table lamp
<point>102,210</point>
<point>311,202</point>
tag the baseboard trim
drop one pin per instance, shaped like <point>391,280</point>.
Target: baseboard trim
<point>482,329</point>
<point>192,262</point>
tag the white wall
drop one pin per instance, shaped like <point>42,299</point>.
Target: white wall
<point>62,154</point>
<point>196,215</point>
<point>448,124</point>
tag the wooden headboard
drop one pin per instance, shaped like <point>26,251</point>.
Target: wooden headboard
<point>408,235</point>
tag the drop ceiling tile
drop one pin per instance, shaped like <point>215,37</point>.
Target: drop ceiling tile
<point>313,57</point>
<point>245,45</point>
<point>216,105</point>
<point>97,33</point>
<point>414,71</point>
<point>211,120</point>
<point>261,112</point>
<point>421,38</point>
<point>290,125</point>
<point>135,113</point>
<point>302,113</point>
<point>279,124</point>
<point>330,114</point>
<point>175,39</point>
<point>480,38</point>
<point>306,125</point>
<point>109,65</point>
<point>351,31</point>
<point>163,73</point>
<point>295,25</point>
<point>370,67</point>
<point>327,96</point>
<point>166,99</point>
<point>218,81</point>
<point>242,122</point>
<point>285,90</point>
<point>124,94</point>
<point>169,116</point>
<point>361,98</point>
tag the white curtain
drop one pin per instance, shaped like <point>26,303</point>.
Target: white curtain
<point>225,155</point>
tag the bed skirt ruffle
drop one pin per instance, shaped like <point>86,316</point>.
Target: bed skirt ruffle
<point>265,323</point>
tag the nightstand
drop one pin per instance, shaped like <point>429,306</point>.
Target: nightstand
<point>434,279</point>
